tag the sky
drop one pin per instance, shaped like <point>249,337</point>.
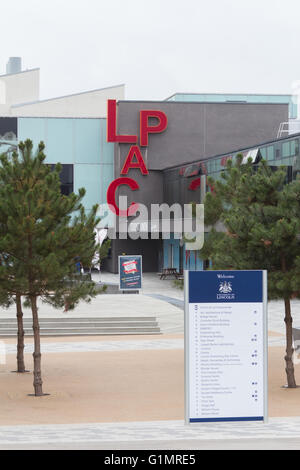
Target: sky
<point>155,47</point>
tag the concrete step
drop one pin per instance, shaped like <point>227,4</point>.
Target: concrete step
<point>79,324</point>
<point>83,331</point>
<point>84,326</point>
<point>116,333</point>
<point>76,319</point>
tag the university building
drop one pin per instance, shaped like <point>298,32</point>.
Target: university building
<point>149,151</point>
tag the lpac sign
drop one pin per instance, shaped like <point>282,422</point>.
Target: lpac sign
<point>134,158</point>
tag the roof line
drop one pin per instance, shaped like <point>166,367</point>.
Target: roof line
<point>54,117</point>
<point>203,102</point>
<point>66,96</point>
<point>18,73</point>
<point>230,94</point>
<point>268,142</point>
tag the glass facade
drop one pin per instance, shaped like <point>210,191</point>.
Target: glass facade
<point>182,185</point>
<point>80,146</point>
<point>88,161</point>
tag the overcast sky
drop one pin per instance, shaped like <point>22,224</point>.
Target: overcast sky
<point>155,47</point>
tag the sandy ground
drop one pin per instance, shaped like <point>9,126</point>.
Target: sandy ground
<point>85,339</point>
<point>117,386</point>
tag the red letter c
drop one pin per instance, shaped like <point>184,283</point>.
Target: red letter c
<point>111,196</point>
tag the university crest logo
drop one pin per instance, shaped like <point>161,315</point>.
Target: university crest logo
<point>225,287</point>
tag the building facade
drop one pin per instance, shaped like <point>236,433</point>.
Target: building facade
<point>194,133</point>
<point>177,180</point>
<point>149,152</point>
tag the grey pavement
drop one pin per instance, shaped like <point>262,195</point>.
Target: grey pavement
<point>155,434</point>
<point>171,300</point>
<point>176,445</point>
<point>145,304</point>
<point>113,345</point>
<point>159,298</point>
<point>102,346</point>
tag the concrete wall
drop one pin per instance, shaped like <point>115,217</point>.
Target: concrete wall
<point>195,131</point>
<point>85,105</point>
<point>80,142</point>
<point>18,88</point>
<point>235,97</point>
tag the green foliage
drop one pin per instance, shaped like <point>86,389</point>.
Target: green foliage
<point>178,283</point>
<point>104,250</point>
<point>260,219</point>
<point>42,232</point>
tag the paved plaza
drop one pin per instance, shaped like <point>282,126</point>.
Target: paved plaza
<point>159,298</point>
<point>163,300</point>
<point>152,435</point>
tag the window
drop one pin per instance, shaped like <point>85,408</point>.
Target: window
<point>290,148</point>
<point>192,170</point>
<point>270,153</point>
<point>294,147</point>
<point>277,153</point>
<point>67,179</point>
<point>263,152</point>
<point>215,164</point>
<point>286,149</point>
<point>218,164</point>
<point>225,159</point>
<point>209,166</point>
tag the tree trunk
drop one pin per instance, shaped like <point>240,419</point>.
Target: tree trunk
<point>290,372</point>
<point>20,346</point>
<point>37,356</point>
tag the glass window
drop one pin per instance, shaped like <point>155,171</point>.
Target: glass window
<point>294,147</point>
<point>88,177</point>
<point>218,164</point>
<point>263,152</point>
<point>192,170</point>
<point>277,154</point>
<point>67,179</point>
<point>270,152</point>
<point>286,152</point>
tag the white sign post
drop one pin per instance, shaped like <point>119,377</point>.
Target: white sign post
<point>225,346</point>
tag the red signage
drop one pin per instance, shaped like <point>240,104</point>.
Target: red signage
<point>134,158</point>
<point>139,163</point>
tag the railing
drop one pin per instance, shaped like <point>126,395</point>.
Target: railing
<point>289,128</point>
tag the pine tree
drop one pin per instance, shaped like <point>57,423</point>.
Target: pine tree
<point>42,233</point>
<point>7,298</point>
<point>259,213</point>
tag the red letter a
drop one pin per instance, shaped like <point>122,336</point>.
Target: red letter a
<point>134,152</point>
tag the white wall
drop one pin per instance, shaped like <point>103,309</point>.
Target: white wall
<point>89,104</point>
<point>19,88</point>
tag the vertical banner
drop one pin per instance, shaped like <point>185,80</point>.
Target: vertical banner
<point>225,346</point>
<point>130,272</point>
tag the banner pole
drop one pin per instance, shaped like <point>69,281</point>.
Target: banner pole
<point>266,353</point>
